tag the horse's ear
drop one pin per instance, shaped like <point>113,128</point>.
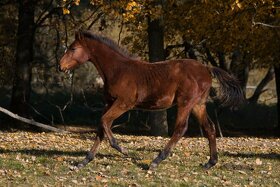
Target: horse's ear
<point>79,35</point>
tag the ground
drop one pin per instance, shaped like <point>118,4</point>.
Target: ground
<point>46,159</point>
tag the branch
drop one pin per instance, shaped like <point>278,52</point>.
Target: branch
<point>222,60</point>
<point>40,21</point>
<point>120,32</point>
<point>94,21</point>
<point>41,15</point>
<point>38,113</point>
<point>87,106</point>
<point>80,22</point>
<point>210,57</point>
<point>42,18</point>
<point>57,46</point>
<point>263,24</point>
<point>188,50</point>
<point>31,122</point>
<point>7,2</point>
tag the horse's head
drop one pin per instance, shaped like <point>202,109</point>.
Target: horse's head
<point>76,54</point>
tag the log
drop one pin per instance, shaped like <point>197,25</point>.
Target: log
<point>31,122</point>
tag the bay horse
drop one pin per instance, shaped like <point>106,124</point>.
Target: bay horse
<point>131,83</point>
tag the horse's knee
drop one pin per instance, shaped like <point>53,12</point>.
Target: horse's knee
<point>104,122</point>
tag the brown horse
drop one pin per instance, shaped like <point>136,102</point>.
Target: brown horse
<point>130,83</point>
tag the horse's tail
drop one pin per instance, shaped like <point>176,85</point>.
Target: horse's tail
<point>230,93</point>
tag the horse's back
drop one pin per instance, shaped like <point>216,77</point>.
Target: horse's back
<point>176,71</point>
<point>192,76</point>
<point>190,68</point>
<point>160,82</point>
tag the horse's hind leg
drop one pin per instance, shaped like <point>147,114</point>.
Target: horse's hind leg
<point>180,129</point>
<point>201,114</point>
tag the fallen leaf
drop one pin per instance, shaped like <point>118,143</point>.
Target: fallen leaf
<point>258,161</point>
<point>242,172</point>
<point>98,177</point>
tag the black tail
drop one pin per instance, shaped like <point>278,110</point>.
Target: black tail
<point>230,94</point>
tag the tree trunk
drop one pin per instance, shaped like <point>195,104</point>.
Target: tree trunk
<point>240,68</point>
<point>158,119</point>
<point>24,58</point>
<point>260,88</point>
<point>277,80</point>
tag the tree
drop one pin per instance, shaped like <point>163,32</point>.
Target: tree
<point>24,57</point>
<point>158,119</point>
<point>277,79</point>
<point>7,41</point>
<point>33,18</point>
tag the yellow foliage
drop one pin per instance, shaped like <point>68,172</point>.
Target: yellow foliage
<point>220,25</point>
<point>65,11</point>
<point>132,9</point>
<point>76,2</point>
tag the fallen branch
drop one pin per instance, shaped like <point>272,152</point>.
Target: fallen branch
<point>31,122</point>
<point>263,24</point>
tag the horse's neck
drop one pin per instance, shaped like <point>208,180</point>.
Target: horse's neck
<point>108,62</point>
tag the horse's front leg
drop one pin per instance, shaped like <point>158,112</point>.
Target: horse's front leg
<point>98,139</point>
<point>91,154</point>
<point>111,112</point>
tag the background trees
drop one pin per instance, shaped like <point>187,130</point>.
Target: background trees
<point>24,57</point>
<point>158,119</point>
<point>238,36</point>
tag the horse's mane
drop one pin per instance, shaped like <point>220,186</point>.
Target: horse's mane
<point>110,43</point>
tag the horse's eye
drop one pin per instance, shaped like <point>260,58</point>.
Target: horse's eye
<point>72,49</point>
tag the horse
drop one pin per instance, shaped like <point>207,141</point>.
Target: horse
<point>130,83</point>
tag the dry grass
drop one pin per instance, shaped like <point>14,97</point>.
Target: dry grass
<point>45,159</point>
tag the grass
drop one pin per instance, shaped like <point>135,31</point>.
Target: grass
<point>46,159</point>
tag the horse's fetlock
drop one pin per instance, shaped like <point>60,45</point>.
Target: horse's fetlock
<point>213,161</point>
<point>113,142</point>
<point>89,156</point>
<point>163,155</point>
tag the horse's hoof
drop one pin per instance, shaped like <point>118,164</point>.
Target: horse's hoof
<point>124,151</point>
<point>80,165</point>
<point>73,167</point>
<point>153,166</point>
<point>209,165</point>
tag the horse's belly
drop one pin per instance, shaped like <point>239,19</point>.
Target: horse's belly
<point>156,103</point>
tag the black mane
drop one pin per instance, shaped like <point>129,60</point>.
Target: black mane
<point>107,41</point>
